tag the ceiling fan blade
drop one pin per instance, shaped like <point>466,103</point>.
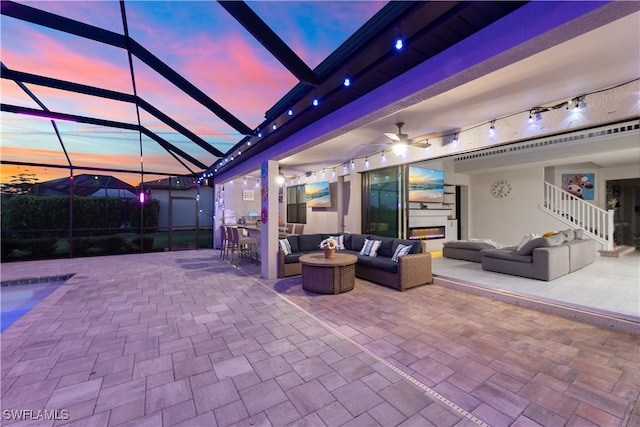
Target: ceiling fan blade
<point>424,144</point>
<point>418,140</point>
<point>392,136</point>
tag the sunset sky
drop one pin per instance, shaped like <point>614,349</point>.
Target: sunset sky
<point>198,39</point>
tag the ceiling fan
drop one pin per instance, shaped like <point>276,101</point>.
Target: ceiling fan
<point>400,141</point>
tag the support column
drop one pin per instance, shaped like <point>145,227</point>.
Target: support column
<point>269,218</point>
<point>218,213</point>
<point>340,205</point>
<point>353,221</point>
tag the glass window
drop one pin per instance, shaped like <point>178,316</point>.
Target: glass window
<point>296,205</point>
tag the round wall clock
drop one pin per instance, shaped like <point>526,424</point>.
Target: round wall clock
<point>500,188</point>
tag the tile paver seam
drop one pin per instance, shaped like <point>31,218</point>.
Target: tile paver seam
<point>428,390</point>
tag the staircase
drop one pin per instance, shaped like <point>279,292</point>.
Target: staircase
<point>597,223</point>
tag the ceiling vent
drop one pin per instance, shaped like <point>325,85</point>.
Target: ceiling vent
<point>552,141</point>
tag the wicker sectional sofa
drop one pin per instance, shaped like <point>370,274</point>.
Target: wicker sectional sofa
<point>410,271</point>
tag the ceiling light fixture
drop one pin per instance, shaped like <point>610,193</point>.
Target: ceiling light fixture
<point>400,148</point>
<point>353,164</point>
<point>290,112</point>
<point>315,101</point>
<point>455,137</point>
<point>492,128</point>
<point>274,126</point>
<point>383,157</point>
<point>579,102</point>
<point>398,44</point>
<point>366,162</point>
<point>347,81</point>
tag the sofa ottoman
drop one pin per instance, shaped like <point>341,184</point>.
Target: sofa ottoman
<point>467,250</point>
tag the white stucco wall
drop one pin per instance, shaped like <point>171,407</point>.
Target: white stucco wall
<point>507,219</point>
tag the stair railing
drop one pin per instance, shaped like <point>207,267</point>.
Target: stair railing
<point>596,222</point>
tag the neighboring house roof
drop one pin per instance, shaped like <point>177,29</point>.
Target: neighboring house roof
<point>175,182</point>
<point>87,185</point>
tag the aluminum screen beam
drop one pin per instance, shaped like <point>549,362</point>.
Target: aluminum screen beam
<point>101,122</point>
<point>270,40</point>
<point>70,26</point>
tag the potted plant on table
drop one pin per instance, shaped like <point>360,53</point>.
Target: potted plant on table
<point>329,245</point>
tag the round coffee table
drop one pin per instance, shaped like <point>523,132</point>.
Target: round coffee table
<point>328,275</point>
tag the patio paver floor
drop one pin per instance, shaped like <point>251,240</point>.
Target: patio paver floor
<point>181,338</point>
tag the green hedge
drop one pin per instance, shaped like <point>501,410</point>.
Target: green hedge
<point>36,213</point>
<point>37,248</point>
<point>100,244</point>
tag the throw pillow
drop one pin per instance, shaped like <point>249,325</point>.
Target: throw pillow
<point>528,247</point>
<point>340,240</point>
<point>489,242</point>
<point>579,233</point>
<point>285,246</point>
<point>370,247</point>
<point>541,242</point>
<point>526,239</point>
<point>568,234</point>
<point>400,251</point>
<point>549,233</point>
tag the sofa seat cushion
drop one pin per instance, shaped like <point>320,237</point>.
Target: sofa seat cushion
<point>384,264</point>
<point>468,244</point>
<point>386,247</point>
<point>364,260</point>
<point>295,257</point>
<point>309,242</point>
<point>509,254</point>
<point>356,242</point>
<point>293,242</point>
<point>347,241</point>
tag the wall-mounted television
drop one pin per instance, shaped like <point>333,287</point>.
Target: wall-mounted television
<point>426,185</point>
<point>318,194</point>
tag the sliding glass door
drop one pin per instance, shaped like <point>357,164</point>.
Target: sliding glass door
<point>382,207</point>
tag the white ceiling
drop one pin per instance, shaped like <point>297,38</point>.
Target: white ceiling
<point>595,60</point>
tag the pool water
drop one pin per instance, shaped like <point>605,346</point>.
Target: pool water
<point>16,300</point>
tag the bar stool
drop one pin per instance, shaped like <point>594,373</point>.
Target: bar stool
<point>246,246</point>
<point>224,242</point>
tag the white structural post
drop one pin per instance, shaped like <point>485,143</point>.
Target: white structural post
<point>269,217</point>
<point>610,230</point>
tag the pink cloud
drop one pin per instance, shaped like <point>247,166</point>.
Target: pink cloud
<point>67,58</point>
